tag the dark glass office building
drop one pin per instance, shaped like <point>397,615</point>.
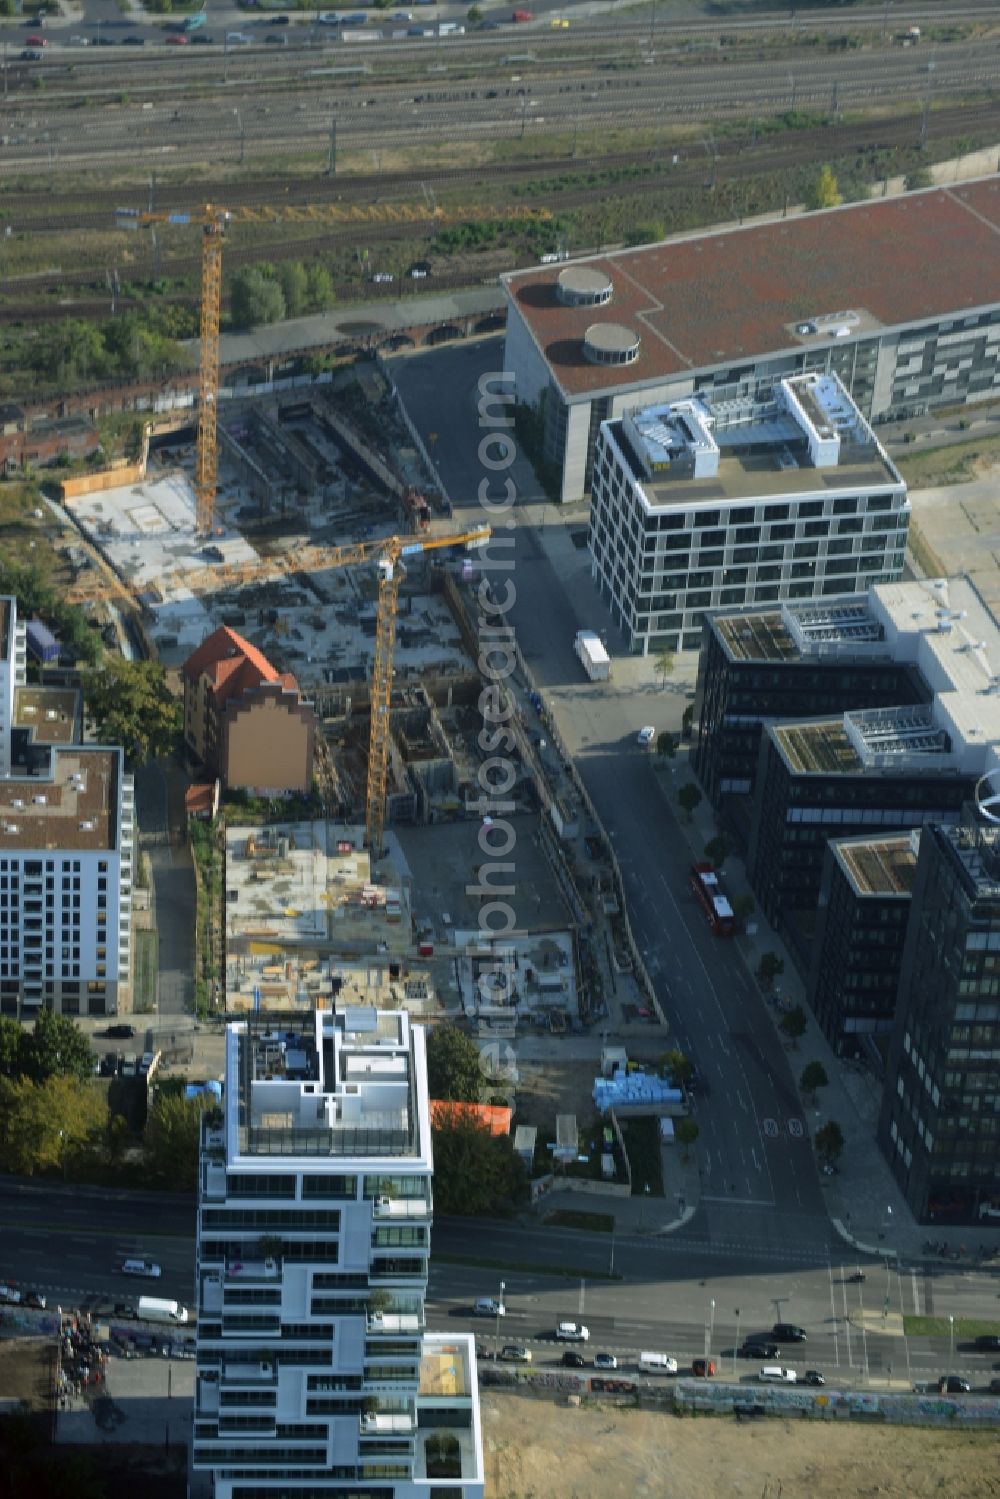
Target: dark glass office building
<point>760,667</point>
<point>864,906</point>
<point>940,1121</point>
<point>878,770</point>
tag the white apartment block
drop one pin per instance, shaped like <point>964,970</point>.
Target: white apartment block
<point>13,667</point>
<point>735,499</point>
<point>316,1376</point>
<point>66,845</point>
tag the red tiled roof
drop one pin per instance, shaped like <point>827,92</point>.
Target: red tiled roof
<point>199,799</point>
<point>491,1116</point>
<point>734,295</point>
<point>224,645</point>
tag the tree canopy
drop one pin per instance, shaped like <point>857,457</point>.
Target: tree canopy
<point>44,1125</point>
<point>825,191</point>
<point>475,1172</point>
<point>54,1047</point>
<point>170,1144</point>
<point>130,704</point>
<point>813,1078</point>
<point>454,1065</point>
<point>794,1023</point>
<point>829,1142</point>
<point>256,298</point>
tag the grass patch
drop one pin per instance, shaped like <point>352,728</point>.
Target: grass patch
<point>592,1223</point>
<point>569,1272</point>
<point>955,463</point>
<point>147,947</point>
<point>940,1327</point>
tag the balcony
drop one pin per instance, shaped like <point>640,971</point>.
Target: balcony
<point>383,1423</point>
<point>249,1374</point>
<point>408,1208</point>
<point>394,1323</point>
<point>247,1271</point>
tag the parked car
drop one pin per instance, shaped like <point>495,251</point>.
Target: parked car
<point>36,41</point>
<point>994,1387</point>
<point>123,1032</point>
<point>573,1360</point>
<point>175,39</point>
<point>988,1342</point>
<point>703,1368</point>
<point>10,1293</point>
<point>382,278</point>
<point>124,1309</point>
<point>516,1353</point>
<point>489,1306</point>
<point>605,1361</point>
<point>813,1376</point>
<point>35,1299</point>
<point>279,20</point>
<point>952,1384</point>
<point>132,41</point>
<point>483,1352</point>
<point>31,54</point>
<point>787,1332</point>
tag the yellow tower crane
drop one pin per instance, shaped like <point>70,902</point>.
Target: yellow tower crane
<point>214,222</point>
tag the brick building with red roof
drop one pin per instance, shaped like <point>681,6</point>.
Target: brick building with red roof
<point>900,297</point>
<point>246,721</point>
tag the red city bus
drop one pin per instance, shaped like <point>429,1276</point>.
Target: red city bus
<point>708,888</point>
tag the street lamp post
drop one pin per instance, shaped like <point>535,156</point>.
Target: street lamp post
<point>709,1327</point>
<point>951,1339</point>
<point>501,1309</point>
<point>736,1348</point>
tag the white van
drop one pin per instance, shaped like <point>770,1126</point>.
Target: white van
<point>657,1363</point>
<point>141,1267</point>
<point>153,1309</point>
<point>775,1374</point>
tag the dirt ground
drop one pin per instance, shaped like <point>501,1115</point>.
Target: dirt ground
<point>546,1089</point>
<point>536,1449</point>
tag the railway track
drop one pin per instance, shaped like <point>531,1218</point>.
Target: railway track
<point>735,161</point>
<point>33,212</point>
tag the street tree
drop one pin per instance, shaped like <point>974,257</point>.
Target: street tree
<point>769,968</point>
<point>677,1066</point>
<point>686,1132</point>
<point>743,907</point>
<point>47,1126</point>
<point>129,703</point>
<point>717,850</point>
<point>666,745</point>
<point>829,1142</point>
<point>170,1143</point>
<point>454,1065</point>
<point>475,1172</point>
<point>794,1024</point>
<point>689,797</point>
<point>664,665</point>
<point>55,1047</point>
<point>813,1078</point>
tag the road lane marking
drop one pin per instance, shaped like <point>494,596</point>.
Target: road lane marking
<point>916,1292</point>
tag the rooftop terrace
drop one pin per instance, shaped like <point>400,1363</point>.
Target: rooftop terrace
<point>72,806</point>
<point>878,866</point>
<point>50,714</point>
<point>334,1083</point>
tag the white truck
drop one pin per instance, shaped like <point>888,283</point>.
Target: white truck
<point>595,659</point>
<point>158,1309</point>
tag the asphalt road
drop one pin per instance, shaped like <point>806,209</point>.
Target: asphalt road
<point>759,1181</point>
<point>68,1242</point>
